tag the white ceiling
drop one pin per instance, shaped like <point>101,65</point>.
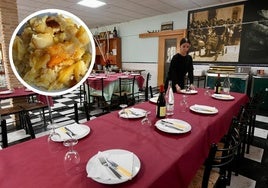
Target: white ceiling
<point>116,11</point>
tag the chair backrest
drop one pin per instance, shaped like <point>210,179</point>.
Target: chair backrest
<point>28,123</point>
<point>76,114</point>
<point>127,89</point>
<point>154,91</point>
<point>148,77</point>
<point>222,157</point>
<point>3,134</point>
<point>96,85</point>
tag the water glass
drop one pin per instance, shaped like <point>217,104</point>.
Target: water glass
<point>71,158</point>
<point>146,120</point>
<point>52,137</point>
<point>207,92</point>
<point>184,104</point>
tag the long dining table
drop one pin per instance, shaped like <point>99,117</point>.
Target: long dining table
<point>167,160</point>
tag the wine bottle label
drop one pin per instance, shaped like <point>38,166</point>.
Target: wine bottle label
<point>162,111</point>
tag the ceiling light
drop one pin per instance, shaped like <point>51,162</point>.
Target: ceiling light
<point>91,3</point>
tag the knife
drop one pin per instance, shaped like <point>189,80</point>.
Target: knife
<point>172,125</point>
<point>66,132</point>
<point>121,169</point>
<point>73,134</point>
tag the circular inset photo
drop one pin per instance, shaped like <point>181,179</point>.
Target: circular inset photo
<point>52,52</point>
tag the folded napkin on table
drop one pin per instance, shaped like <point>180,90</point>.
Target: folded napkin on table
<point>75,128</point>
<point>133,112</point>
<point>204,108</point>
<point>97,170</point>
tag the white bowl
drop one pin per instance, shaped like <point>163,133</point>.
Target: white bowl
<point>35,86</point>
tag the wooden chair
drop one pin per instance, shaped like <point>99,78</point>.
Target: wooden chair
<point>3,134</point>
<point>221,156</point>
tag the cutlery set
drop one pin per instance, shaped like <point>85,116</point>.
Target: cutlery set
<point>171,125</point>
<point>115,168</point>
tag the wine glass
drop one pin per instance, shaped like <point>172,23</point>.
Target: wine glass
<point>123,112</point>
<point>52,137</point>
<point>146,120</point>
<point>72,157</point>
<point>207,91</point>
<point>184,103</point>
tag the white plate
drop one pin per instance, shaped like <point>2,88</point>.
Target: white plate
<point>6,92</point>
<point>135,74</point>
<point>153,100</point>
<point>186,127</point>
<point>132,113</point>
<point>79,129</point>
<point>189,92</point>
<point>135,169</point>
<point>123,76</point>
<point>223,96</point>
<point>203,109</point>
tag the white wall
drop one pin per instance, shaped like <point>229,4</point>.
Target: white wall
<point>142,53</point>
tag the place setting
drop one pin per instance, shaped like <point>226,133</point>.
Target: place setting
<point>203,109</point>
<point>174,126</point>
<point>188,90</point>
<point>223,96</point>
<point>74,130</point>
<point>113,166</point>
<point>131,113</point>
<point>153,99</point>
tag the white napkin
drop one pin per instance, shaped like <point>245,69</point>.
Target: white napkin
<point>97,170</point>
<point>132,113</point>
<point>204,108</point>
<point>223,96</point>
<point>75,128</point>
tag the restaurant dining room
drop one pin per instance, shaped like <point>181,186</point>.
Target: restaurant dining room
<point>134,94</point>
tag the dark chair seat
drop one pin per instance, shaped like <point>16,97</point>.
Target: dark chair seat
<point>3,134</point>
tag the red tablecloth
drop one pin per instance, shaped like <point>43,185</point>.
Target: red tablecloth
<point>17,92</point>
<point>167,160</point>
<point>111,78</point>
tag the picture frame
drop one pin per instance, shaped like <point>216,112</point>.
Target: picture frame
<point>215,33</point>
<point>167,26</point>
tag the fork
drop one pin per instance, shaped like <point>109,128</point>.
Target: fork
<point>72,133</point>
<point>106,164</point>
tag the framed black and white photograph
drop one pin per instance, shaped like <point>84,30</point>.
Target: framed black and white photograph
<point>254,43</point>
<point>215,33</point>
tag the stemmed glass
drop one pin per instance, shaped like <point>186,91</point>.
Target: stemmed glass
<point>184,103</point>
<point>52,137</point>
<point>72,157</point>
<point>207,92</point>
<point>123,106</point>
<point>146,120</point>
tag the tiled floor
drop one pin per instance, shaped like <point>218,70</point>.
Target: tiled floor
<point>253,171</point>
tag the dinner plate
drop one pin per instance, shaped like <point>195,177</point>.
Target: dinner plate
<point>154,99</point>
<point>79,129</point>
<point>173,126</point>
<point>203,109</point>
<point>135,74</point>
<point>104,77</point>
<point>93,161</point>
<point>223,96</point>
<point>6,92</point>
<point>189,92</point>
<point>132,113</point>
<point>123,76</point>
